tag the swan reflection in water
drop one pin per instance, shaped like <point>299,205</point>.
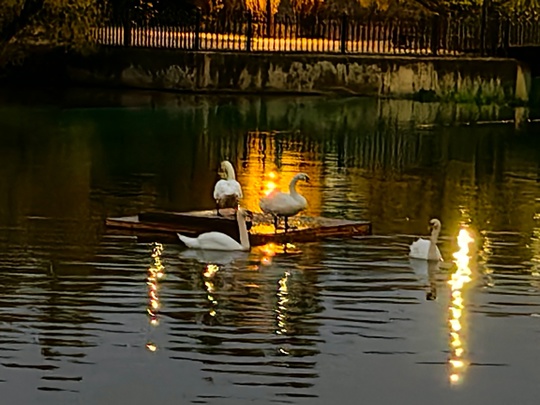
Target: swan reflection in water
<point>216,257</point>
<point>263,255</point>
<point>216,261</point>
<point>213,261</point>
<point>426,272</point>
<point>459,279</point>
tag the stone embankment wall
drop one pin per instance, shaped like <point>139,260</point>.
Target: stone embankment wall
<point>481,80</point>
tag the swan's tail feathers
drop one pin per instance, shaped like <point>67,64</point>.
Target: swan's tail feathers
<point>192,243</point>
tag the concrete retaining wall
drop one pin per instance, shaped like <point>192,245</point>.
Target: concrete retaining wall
<point>482,80</point>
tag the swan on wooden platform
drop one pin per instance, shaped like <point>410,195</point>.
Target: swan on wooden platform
<point>426,249</point>
<point>219,240</point>
<point>227,191</point>
<point>280,204</point>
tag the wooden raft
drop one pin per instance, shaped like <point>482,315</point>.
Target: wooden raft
<point>165,225</point>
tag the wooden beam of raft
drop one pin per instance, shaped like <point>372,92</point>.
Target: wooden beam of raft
<point>165,225</point>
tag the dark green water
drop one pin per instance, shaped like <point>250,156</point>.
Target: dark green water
<point>340,320</point>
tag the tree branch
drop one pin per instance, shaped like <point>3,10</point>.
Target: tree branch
<point>30,8</point>
<point>432,5</point>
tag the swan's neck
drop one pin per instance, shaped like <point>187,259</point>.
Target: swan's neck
<point>432,254</point>
<point>292,186</point>
<point>434,236</point>
<point>230,172</point>
<point>244,237</point>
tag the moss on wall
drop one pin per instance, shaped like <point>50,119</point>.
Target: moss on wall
<point>468,80</point>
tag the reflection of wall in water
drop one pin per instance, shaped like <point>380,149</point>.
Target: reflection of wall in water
<point>47,185</point>
<point>405,173</point>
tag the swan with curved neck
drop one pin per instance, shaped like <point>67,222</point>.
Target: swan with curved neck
<point>227,191</point>
<point>285,205</point>
<point>219,240</point>
<point>427,249</point>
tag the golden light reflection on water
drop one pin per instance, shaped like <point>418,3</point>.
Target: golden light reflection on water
<point>269,184</point>
<point>271,165</point>
<point>283,299</point>
<point>155,272</point>
<point>268,251</point>
<point>462,276</point>
<point>209,273</point>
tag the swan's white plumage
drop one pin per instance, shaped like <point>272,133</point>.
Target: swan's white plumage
<point>221,241</point>
<point>227,192</point>
<point>283,204</point>
<point>420,250</point>
<point>211,241</point>
<point>427,249</point>
<point>227,188</point>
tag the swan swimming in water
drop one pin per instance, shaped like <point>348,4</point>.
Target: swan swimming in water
<point>285,205</point>
<point>227,191</point>
<point>427,249</point>
<point>221,241</point>
<point>426,272</point>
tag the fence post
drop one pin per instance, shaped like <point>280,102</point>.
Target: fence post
<point>435,33</point>
<point>197,39</point>
<point>269,18</point>
<point>344,32</point>
<point>483,27</point>
<point>506,38</point>
<point>126,23</point>
<point>249,32</point>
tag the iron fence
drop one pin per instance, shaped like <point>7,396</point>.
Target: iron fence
<point>429,35</point>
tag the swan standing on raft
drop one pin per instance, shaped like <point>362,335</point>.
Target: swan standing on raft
<point>227,191</point>
<point>221,241</point>
<point>427,249</point>
<point>285,205</point>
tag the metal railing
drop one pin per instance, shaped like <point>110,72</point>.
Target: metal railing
<point>431,35</point>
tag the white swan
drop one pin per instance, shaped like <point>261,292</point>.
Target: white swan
<point>427,249</point>
<point>285,205</point>
<point>221,241</point>
<point>227,192</point>
<point>426,272</point>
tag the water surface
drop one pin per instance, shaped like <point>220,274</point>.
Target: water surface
<point>92,317</point>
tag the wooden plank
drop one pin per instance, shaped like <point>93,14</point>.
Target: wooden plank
<point>195,221</point>
<point>165,225</point>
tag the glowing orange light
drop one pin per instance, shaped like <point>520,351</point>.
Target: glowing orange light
<point>155,272</point>
<point>457,281</point>
<point>269,186</point>
<point>269,249</point>
<point>266,261</point>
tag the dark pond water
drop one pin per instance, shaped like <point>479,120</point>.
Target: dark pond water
<point>92,317</point>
